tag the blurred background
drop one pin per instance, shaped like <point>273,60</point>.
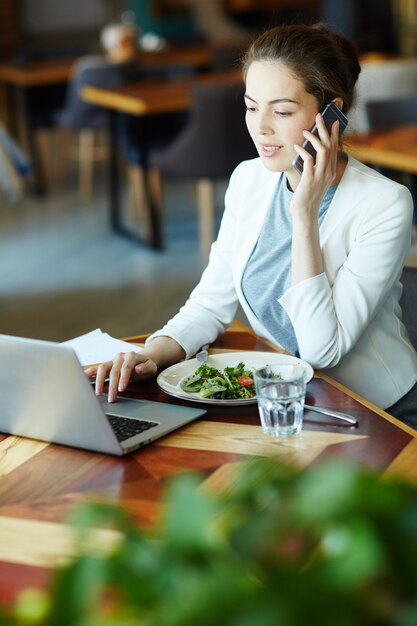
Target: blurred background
<point>63,268</point>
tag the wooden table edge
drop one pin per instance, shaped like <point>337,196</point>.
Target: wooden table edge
<point>367,403</point>
<point>101,97</point>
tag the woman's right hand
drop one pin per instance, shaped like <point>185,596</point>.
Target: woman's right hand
<point>120,370</point>
<point>161,352</point>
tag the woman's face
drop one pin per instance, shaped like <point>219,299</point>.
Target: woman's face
<point>278,110</point>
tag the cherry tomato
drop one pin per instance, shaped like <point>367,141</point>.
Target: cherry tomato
<point>245,381</point>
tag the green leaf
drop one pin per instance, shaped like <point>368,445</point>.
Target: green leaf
<point>32,606</point>
<point>206,392</point>
<point>327,490</point>
<point>190,518</point>
<point>77,591</point>
<point>351,554</point>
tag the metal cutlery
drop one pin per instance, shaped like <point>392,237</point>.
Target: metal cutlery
<point>202,355</point>
<point>336,414</point>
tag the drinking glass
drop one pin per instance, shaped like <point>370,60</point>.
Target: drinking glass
<point>280,391</point>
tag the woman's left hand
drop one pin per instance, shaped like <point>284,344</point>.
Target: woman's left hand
<point>316,177</point>
<point>306,257</point>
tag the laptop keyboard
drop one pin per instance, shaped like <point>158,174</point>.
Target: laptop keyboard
<point>125,427</point>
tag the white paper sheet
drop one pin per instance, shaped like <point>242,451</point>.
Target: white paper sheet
<point>97,346</point>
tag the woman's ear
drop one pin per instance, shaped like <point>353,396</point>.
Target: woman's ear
<point>338,102</point>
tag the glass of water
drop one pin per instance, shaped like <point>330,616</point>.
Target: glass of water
<point>280,392</point>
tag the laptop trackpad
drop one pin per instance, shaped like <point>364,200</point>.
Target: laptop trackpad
<point>124,406</point>
<point>148,410</point>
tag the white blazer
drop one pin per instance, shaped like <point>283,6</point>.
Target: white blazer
<point>347,320</point>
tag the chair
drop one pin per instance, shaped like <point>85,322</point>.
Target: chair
<point>389,112</point>
<point>408,302</point>
<point>213,143</point>
<point>87,120</point>
<point>379,80</point>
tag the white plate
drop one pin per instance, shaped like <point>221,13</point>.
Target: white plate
<point>170,379</point>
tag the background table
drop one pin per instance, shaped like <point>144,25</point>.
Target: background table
<point>49,71</point>
<point>40,483</point>
<point>16,78</point>
<point>395,148</point>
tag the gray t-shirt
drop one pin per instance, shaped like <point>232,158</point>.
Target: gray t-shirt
<point>268,273</point>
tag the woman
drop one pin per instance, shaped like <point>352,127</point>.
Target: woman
<point>314,259</point>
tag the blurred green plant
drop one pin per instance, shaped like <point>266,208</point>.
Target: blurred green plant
<point>330,545</point>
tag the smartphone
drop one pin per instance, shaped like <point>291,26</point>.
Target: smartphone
<point>330,114</point>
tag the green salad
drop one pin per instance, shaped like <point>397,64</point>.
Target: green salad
<point>231,383</point>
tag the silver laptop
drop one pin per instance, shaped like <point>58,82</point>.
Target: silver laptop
<point>45,394</point>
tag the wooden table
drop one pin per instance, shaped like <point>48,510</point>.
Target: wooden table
<point>142,99</point>
<point>395,148</point>
<point>155,96</point>
<point>15,78</point>
<point>40,483</point>
<point>51,71</point>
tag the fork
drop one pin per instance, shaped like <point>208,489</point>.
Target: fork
<point>336,414</point>
<point>202,355</point>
